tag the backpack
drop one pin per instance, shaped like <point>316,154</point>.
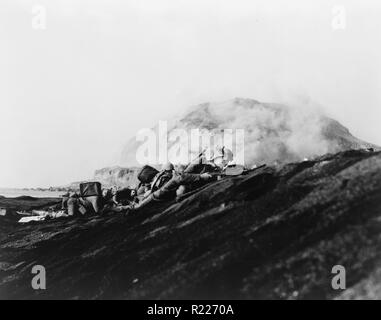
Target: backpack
<point>89,189</point>
<point>92,193</point>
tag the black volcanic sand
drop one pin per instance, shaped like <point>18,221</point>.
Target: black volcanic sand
<point>22,203</point>
<point>271,234</point>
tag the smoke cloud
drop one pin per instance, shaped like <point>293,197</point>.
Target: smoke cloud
<point>273,133</point>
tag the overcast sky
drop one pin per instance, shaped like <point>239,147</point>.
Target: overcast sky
<point>73,93</point>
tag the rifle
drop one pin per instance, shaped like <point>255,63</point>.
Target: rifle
<point>235,170</point>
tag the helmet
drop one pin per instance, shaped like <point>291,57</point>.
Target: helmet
<point>222,152</point>
<point>167,167</point>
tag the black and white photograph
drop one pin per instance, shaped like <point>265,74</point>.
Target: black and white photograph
<point>190,154</point>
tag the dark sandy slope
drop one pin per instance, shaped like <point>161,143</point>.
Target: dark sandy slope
<point>274,233</point>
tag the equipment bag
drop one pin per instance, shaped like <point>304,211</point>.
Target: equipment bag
<point>90,189</point>
<point>86,206</point>
<point>95,204</point>
<point>73,207</point>
<point>147,174</point>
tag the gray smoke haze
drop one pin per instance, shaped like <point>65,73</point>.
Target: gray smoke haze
<point>273,133</point>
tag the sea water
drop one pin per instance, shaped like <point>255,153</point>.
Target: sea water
<point>13,193</point>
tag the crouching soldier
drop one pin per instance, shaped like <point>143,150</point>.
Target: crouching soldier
<point>195,175</point>
<point>162,177</point>
<point>159,180</point>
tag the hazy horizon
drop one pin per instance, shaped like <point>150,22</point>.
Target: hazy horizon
<point>73,93</point>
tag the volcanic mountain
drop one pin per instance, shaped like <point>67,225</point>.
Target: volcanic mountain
<point>273,133</point>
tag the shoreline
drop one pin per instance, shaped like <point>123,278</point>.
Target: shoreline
<point>35,193</point>
<point>25,203</point>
